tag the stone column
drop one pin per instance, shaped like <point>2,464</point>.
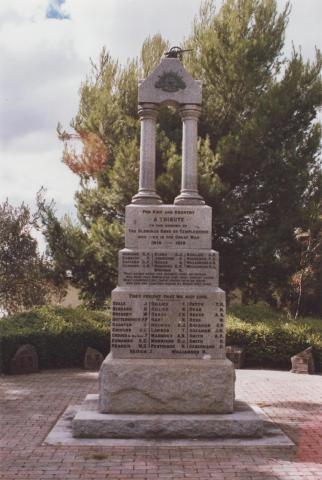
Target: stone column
<point>147,194</point>
<point>189,180</point>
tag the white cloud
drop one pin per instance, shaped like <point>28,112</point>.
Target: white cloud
<point>34,161</point>
<point>16,11</point>
<point>42,73</point>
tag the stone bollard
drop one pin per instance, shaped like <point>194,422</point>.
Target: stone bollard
<point>303,362</point>
<point>93,359</point>
<point>24,361</point>
<point>236,355</point>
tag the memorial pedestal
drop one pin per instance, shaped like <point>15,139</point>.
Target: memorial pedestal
<point>167,374</point>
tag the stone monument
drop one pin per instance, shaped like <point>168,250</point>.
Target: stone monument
<point>167,374</point>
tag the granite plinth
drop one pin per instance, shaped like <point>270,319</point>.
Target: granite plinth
<point>150,386</point>
<point>245,422</point>
<point>168,226</point>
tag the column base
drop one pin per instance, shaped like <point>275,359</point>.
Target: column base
<point>189,198</point>
<point>146,198</point>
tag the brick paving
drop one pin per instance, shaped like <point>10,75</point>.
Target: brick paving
<point>31,404</point>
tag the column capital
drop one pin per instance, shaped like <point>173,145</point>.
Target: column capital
<point>148,110</point>
<point>190,111</point>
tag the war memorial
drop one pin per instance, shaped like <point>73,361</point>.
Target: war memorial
<point>167,375</point>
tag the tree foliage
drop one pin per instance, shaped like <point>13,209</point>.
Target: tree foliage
<point>259,147</point>
<point>25,279</point>
<point>92,157</point>
<point>259,115</point>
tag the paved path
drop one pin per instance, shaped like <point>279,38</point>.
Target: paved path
<point>31,404</point>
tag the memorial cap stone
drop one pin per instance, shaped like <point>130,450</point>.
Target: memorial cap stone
<point>170,83</point>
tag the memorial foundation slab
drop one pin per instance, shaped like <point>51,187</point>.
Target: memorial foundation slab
<point>245,422</point>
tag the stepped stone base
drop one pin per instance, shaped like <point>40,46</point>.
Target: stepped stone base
<point>153,386</point>
<point>89,423</point>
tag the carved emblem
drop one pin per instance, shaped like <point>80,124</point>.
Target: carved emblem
<point>170,82</point>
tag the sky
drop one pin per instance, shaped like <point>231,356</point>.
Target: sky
<point>45,50</point>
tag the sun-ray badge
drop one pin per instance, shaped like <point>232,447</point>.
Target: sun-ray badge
<point>170,82</point>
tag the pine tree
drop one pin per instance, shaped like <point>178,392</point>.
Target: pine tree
<point>259,150</point>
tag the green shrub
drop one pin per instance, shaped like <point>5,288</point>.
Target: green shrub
<point>270,339</point>
<point>60,335</point>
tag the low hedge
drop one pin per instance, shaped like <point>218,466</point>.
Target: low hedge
<point>270,339</point>
<point>60,335</point>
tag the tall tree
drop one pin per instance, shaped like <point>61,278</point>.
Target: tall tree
<point>259,114</point>
<point>25,277</point>
<point>259,150</point>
